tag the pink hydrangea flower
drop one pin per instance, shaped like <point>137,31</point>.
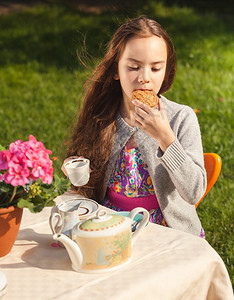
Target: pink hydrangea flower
<point>48,178</point>
<point>17,175</point>
<point>24,161</point>
<point>5,157</point>
<point>14,147</point>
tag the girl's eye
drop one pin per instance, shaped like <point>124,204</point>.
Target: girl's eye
<point>133,68</point>
<point>155,69</point>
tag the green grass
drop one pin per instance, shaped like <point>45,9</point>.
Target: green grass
<point>41,80</point>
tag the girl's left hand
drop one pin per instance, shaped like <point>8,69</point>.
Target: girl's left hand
<point>154,122</point>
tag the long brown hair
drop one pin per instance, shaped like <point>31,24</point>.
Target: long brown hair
<point>95,128</point>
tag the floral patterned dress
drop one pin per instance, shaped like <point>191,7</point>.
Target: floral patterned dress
<point>130,186</point>
<point>131,180</point>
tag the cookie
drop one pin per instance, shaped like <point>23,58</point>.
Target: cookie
<point>147,97</point>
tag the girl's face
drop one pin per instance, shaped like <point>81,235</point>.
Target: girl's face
<point>142,66</point>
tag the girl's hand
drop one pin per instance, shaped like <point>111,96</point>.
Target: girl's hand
<point>154,122</point>
<point>66,160</point>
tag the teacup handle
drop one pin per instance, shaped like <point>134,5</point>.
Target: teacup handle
<point>56,222</point>
<point>144,221</point>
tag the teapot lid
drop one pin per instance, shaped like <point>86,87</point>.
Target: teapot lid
<point>103,221</point>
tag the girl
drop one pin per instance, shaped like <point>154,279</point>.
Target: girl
<point>140,156</point>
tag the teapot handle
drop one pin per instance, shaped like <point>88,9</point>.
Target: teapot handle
<point>144,221</point>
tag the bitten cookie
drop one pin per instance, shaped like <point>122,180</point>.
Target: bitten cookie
<point>147,97</point>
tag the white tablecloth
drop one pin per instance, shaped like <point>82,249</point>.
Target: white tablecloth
<point>166,265</point>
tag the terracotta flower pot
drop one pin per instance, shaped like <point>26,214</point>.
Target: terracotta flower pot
<point>10,219</point>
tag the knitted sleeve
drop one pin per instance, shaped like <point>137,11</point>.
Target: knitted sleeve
<point>183,159</point>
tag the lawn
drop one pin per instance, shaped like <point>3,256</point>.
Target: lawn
<point>41,80</point>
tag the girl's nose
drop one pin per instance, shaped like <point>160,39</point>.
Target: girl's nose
<point>143,77</point>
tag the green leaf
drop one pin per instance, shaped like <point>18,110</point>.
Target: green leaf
<point>51,203</point>
<point>42,195</point>
<point>33,207</point>
<point>25,203</point>
<point>4,189</point>
<point>2,148</point>
<point>61,184</point>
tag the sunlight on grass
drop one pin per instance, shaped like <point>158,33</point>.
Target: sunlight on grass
<point>41,82</point>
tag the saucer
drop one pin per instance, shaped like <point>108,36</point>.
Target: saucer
<point>87,207</point>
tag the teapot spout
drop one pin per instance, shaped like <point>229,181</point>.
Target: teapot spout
<point>72,248</point>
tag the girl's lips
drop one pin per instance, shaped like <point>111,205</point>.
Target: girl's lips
<point>143,90</point>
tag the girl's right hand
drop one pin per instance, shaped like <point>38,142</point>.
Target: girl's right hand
<point>154,122</point>
<point>66,160</point>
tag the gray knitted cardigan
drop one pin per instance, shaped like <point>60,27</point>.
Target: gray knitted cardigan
<point>178,174</point>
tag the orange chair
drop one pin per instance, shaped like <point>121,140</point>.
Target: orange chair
<point>213,165</point>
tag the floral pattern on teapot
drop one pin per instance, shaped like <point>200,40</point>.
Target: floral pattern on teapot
<point>117,250</point>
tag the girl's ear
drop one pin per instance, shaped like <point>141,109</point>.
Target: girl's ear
<point>116,76</point>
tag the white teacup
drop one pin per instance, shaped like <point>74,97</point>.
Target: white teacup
<point>78,171</point>
<point>64,217</point>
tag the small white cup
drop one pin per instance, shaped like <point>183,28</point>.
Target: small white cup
<point>78,171</point>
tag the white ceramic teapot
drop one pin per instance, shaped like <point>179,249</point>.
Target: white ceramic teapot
<point>102,243</point>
